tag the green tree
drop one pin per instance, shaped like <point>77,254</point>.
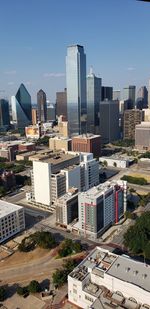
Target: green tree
<point>2,191</point>
<point>22,290</point>
<point>137,237</point>
<point>34,287</point>
<point>2,293</point>
<point>44,240</point>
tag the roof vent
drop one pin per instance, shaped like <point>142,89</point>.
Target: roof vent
<point>127,269</point>
<point>144,276</point>
<point>135,272</point>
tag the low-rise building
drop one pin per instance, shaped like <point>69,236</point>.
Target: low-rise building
<point>12,220</point>
<point>142,136</point>
<point>67,208</point>
<point>60,143</point>
<point>100,207</point>
<point>117,160</point>
<point>125,280</point>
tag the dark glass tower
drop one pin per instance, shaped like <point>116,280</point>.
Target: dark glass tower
<point>129,96</point>
<point>4,113</point>
<point>42,106</point>
<point>21,107</point>
<point>93,103</point>
<point>76,89</point>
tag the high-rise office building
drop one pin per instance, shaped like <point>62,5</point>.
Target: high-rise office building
<point>76,89</point>
<point>130,119</point>
<point>42,106</point>
<point>116,95</point>
<point>129,96</point>
<point>61,103</point>
<point>142,98</point>
<point>51,112</point>
<point>101,206</point>
<point>34,116</point>
<point>4,113</point>
<point>21,107</point>
<point>109,121</point>
<point>93,103</point>
<point>107,93</point>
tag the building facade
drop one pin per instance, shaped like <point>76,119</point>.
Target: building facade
<point>129,94</point>
<point>61,103</point>
<point>76,89</point>
<point>142,136</point>
<point>109,121</point>
<point>21,107</point>
<point>87,143</point>
<point>4,114</point>
<point>93,103</point>
<point>130,119</point>
<point>100,207</point>
<point>42,106</point>
<point>142,98</point>
<point>67,208</point>
<point>60,143</point>
<point>107,93</point>
<point>12,220</point>
<point>116,95</point>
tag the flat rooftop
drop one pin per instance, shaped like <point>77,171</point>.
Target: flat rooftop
<point>56,158</point>
<point>100,189</point>
<point>86,136</point>
<point>131,271</point>
<point>101,261</point>
<point>7,208</point>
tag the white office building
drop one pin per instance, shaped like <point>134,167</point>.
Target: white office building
<point>54,176</point>
<point>121,278</point>
<point>12,220</point>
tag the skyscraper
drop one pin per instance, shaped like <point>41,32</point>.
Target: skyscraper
<point>93,103</point>
<point>42,106</point>
<point>61,103</point>
<point>116,95</point>
<point>107,93</point>
<point>76,89</point>
<point>4,113</point>
<point>142,98</point>
<point>149,94</point>
<point>21,107</point>
<point>109,121</point>
<point>129,96</point>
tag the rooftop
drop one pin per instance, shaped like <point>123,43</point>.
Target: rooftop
<point>7,208</point>
<point>86,136</point>
<point>102,188</point>
<point>143,124</point>
<point>101,261</point>
<point>132,271</point>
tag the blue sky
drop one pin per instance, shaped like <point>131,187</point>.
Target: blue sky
<point>34,35</point>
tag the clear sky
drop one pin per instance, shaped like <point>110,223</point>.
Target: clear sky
<point>34,35</point>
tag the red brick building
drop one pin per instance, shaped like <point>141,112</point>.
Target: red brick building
<point>87,143</point>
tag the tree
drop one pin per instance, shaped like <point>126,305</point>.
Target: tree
<point>115,164</point>
<point>2,191</point>
<point>2,293</point>
<point>22,290</point>
<point>34,287</point>
<point>105,163</point>
<point>135,180</point>
<point>59,277</point>
<point>137,237</point>
<point>44,240</point>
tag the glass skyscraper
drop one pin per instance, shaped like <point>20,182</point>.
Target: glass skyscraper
<point>42,106</point>
<point>76,89</point>
<point>4,114</point>
<point>129,96</point>
<point>21,107</point>
<point>93,103</point>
